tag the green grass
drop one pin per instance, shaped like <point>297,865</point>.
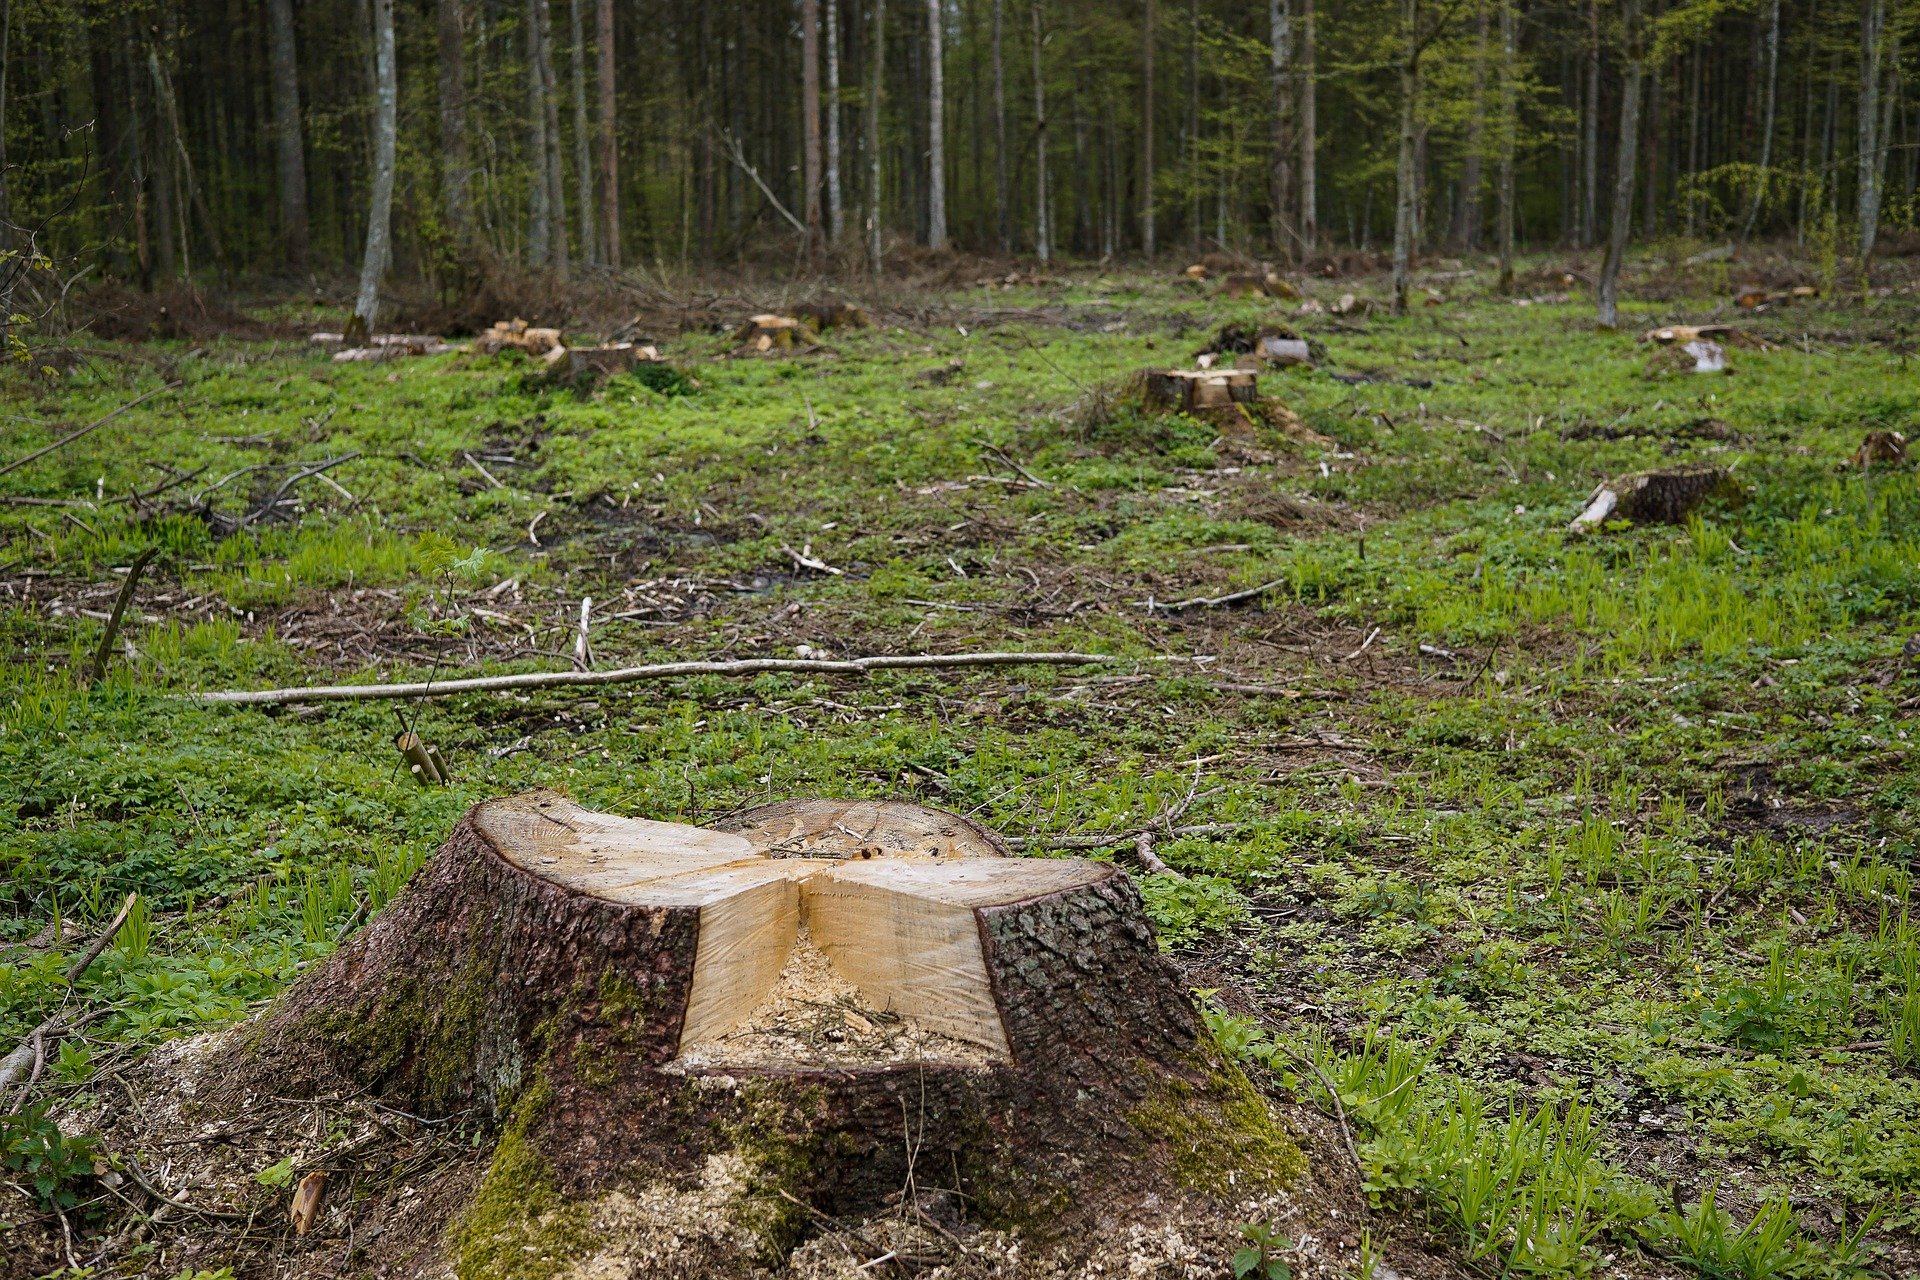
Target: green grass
<point>1597,913</point>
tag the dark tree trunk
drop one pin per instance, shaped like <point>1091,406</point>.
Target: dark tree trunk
<point>456,169</point>
<point>1624,166</point>
<point>609,137</point>
<point>1148,243</point>
<point>810,119</point>
<point>289,143</point>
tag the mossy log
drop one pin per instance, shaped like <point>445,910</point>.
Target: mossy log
<point>749,1031</point>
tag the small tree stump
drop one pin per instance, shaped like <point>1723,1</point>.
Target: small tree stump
<point>767,333</point>
<point>1656,497</point>
<point>822,316</point>
<point>745,1029</point>
<point>1192,390</point>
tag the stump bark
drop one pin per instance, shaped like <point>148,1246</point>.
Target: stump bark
<point>1195,390</point>
<point>746,1031</point>
<point>1656,497</point>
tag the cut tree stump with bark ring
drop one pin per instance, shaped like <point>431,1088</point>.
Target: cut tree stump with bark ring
<point>690,1046</point>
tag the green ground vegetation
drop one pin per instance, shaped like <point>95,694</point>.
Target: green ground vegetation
<point>1579,867</point>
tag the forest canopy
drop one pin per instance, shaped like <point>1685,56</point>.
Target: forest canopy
<point>199,138</point>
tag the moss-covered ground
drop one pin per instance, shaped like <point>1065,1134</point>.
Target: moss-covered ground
<point>1579,866</point>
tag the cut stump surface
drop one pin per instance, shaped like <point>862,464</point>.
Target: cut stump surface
<point>824,997</point>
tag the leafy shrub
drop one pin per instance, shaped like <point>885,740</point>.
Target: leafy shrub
<point>54,1165</point>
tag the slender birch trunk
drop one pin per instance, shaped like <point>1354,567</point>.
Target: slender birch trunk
<point>373,261</point>
<point>1042,213</point>
<point>1767,121</point>
<point>1625,162</point>
<point>835,209</point>
<point>1873,26</point>
<point>1509,128</point>
<point>810,120</point>
<point>1280,63</point>
<point>1309,126</point>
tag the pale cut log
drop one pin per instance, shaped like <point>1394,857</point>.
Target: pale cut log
<point>585,980</point>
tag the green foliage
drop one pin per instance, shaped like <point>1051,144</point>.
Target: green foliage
<point>1705,1238</point>
<point>53,1164</point>
<point>1187,908</point>
<point>1259,1258</point>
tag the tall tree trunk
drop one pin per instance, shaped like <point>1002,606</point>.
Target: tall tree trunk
<point>1873,26</point>
<point>835,213</point>
<point>1762,180</point>
<point>1147,242</point>
<point>1042,211</point>
<point>1000,191</point>
<point>456,171</point>
<point>810,135</point>
<point>1472,171</point>
<point>1309,126</point>
<point>1590,133</point>
<point>540,223</point>
<point>1280,59</point>
<point>810,120</point>
<point>936,126</point>
<point>286,126</point>
<point>386,113</point>
<point>1406,180</point>
<point>582,135</point>
<point>170,115</point>
<point>1624,165</point>
<point>556,170</point>
<point>1509,128</point>
<point>876,73</point>
<point>6,62</point>
<point>609,139</point>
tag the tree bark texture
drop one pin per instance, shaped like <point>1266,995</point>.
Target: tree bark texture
<point>1309,126</point>
<point>936,126</point>
<point>1148,243</point>
<point>876,79</point>
<point>582,134</point>
<point>373,262</point>
<point>836,215</point>
<point>1406,180</point>
<point>1768,116</point>
<point>810,119</point>
<point>488,988</point>
<point>1001,199</point>
<point>1509,127</point>
<point>1042,208</point>
<point>1624,166</point>
<point>1280,56</point>
<point>609,138</point>
<point>289,147</point>
<point>456,169</point>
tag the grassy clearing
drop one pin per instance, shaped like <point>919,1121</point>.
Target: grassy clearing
<point>1594,911</point>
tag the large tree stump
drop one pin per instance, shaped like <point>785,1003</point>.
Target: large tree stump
<point>1666,496</point>
<point>697,1044</point>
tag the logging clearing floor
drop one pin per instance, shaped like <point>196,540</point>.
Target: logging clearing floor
<point>1580,865</point>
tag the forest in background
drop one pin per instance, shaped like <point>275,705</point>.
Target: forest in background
<point>148,140</point>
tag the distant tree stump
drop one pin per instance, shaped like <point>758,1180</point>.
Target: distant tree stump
<point>744,1031</point>
<point>822,316</point>
<point>762,334</point>
<point>1666,496</point>
<point>1193,390</point>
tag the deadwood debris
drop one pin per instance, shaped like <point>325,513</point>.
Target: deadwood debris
<point>663,671</point>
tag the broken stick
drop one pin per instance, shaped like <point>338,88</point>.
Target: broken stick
<point>35,1045</point>
<point>104,654</point>
<point>663,671</point>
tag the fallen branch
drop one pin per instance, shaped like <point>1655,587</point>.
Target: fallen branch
<point>734,153</point>
<point>291,481</point>
<point>662,671</point>
<point>104,654</point>
<point>1210,602</point>
<point>807,560</point>
<point>35,1045</point>
<point>89,429</point>
<point>1148,859</point>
